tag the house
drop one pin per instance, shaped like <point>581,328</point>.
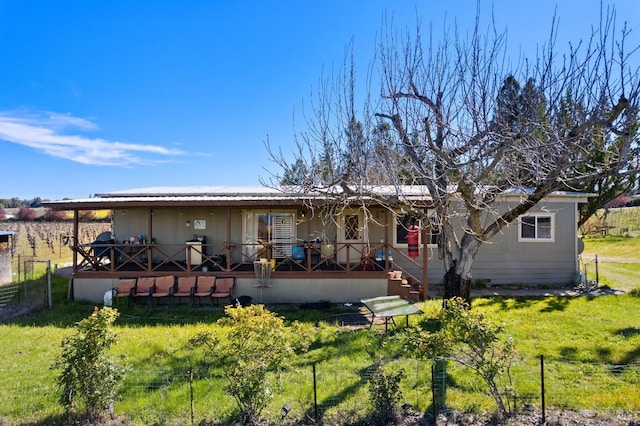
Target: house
<point>342,257</point>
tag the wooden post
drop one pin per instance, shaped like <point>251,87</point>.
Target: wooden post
<point>425,263</point>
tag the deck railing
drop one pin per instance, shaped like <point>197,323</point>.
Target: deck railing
<point>235,257</point>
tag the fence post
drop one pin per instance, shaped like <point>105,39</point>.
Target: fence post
<point>48,278</point>
<point>433,391</point>
<point>191,394</point>
<point>544,416</point>
<point>315,393</point>
<point>597,273</point>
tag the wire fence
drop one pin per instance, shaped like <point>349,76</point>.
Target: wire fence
<point>32,291</point>
<point>320,391</point>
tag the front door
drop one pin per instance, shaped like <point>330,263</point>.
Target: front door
<point>351,235</point>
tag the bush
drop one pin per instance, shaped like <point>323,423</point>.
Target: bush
<point>89,375</point>
<point>26,213</point>
<point>258,343</point>
<point>385,393</point>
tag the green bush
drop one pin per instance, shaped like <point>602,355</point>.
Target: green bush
<point>90,376</point>
<point>257,344</point>
<point>385,393</point>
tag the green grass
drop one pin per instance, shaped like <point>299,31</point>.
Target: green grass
<point>591,347</point>
<point>618,261</point>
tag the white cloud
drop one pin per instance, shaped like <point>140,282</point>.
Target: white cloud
<point>45,132</point>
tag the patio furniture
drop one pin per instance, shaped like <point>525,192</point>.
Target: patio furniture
<point>223,288</point>
<point>205,287</point>
<point>164,288</point>
<point>185,287</point>
<point>388,307</point>
<point>124,288</point>
<point>144,288</point>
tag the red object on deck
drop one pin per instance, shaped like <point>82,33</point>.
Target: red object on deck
<point>412,241</point>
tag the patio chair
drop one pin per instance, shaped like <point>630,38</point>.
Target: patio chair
<point>144,288</point>
<point>124,288</point>
<point>186,287</point>
<point>205,287</point>
<point>367,259</point>
<point>223,289</point>
<point>165,287</point>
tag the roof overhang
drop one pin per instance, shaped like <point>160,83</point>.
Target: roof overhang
<point>256,196</point>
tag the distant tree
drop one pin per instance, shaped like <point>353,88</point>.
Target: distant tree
<point>36,202</point>
<point>54,215</point>
<point>619,201</point>
<point>86,215</point>
<point>26,213</point>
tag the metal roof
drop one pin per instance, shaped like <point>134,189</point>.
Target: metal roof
<point>243,196</point>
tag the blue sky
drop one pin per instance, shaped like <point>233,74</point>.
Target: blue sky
<point>98,96</point>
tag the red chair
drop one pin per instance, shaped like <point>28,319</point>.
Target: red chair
<point>186,287</point>
<point>165,287</point>
<point>205,287</point>
<point>144,288</point>
<point>223,289</point>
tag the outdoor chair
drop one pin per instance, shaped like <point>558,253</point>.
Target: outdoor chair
<point>124,288</point>
<point>205,287</point>
<point>144,288</point>
<point>185,288</point>
<point>367,259</point>
<point>165,287</point>
<point>223,289</point>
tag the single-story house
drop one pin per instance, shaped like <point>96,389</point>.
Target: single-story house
<point>342,257</point>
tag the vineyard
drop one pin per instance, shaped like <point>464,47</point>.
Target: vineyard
<point>48,240</point>
<point>624,222</point>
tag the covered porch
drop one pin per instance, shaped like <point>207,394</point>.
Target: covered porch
<point>230,234</point>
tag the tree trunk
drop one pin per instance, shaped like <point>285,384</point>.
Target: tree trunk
<point>456,286</point>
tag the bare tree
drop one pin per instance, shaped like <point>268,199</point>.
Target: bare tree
<point>445,120</point>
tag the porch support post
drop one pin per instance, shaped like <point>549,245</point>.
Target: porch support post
<point>149,235</point>
<point>75,240</point>
<point>227,245</point>
<point>308,243</point>
<point>385,248</point>
<point>425,260</point>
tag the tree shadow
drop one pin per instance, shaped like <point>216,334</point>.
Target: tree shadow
<point>505,303</point>
<point>557,303</point>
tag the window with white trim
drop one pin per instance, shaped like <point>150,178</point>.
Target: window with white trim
<point>536,227</point>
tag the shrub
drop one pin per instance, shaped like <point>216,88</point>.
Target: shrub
<point>26,213</point>
<point>258,343</point>
<point>468,338</point>
<point>54,215</point>
<point>385,393</point>
<point>89,375</point>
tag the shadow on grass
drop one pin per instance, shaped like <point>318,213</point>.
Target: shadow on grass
<point>505,303</point>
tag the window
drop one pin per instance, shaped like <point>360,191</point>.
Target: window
<point>351,227</point>
<point>401,230</point>
<point>277,229</point>
<point>536,227</point>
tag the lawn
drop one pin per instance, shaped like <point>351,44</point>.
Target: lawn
<point>618,261</point>
<point>591,347</point>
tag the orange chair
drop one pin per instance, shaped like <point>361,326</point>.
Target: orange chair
<point>144,288</point>
<point>125,288</point>
<point>205,287</point>
<point>165,287</point>
<point>223,288</point>
<point>186,287</point>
